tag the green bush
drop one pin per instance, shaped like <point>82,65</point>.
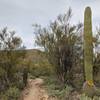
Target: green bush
<point>55,88</point>
<point>41,69</point>
<point>2,72</point>
<point>84,97</point>
<point>12,93</point>
<point>3,97</point>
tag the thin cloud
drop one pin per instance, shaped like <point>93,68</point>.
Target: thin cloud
<point>21,14</point>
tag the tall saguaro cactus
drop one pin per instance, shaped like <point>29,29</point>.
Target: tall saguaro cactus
<point>88,46</point>
<point>89,87</point>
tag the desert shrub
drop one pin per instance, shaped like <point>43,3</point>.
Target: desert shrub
<point>62,43</point>
<point>84,97</point>
<point>55,89</point>
<point>64,92</point>
<point>41,69</point>
<point>96,69</point>
<point>3,83</point>
<point>12,93</point>
<point>77,76</point>
<point>3,97</point>
<point>2,72</point>
<point>19,80</point>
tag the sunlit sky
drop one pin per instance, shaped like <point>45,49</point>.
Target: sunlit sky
<point>21,14</point>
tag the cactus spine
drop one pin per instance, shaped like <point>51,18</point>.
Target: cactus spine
<point>88,46</point>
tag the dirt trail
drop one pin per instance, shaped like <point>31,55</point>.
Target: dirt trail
<point>35,91</point>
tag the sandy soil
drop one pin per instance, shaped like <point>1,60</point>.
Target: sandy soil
<point>35,91</point>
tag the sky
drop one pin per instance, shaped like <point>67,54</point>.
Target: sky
<point>19,15</point>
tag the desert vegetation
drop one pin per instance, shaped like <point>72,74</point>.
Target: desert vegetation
<point>67,63</point>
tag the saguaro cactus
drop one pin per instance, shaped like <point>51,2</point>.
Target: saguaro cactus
<point>89,87</point>
<point>88,46</point>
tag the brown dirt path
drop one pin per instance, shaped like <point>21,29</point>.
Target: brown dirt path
<point>35,91</point>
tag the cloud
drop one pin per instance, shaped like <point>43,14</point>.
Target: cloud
<point>21,14</point>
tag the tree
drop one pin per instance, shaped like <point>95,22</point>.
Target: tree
<point>62,43</point>
<point>11,54</point>
<point>96,66</point>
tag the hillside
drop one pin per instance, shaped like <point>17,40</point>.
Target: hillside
<point>34,55</point>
